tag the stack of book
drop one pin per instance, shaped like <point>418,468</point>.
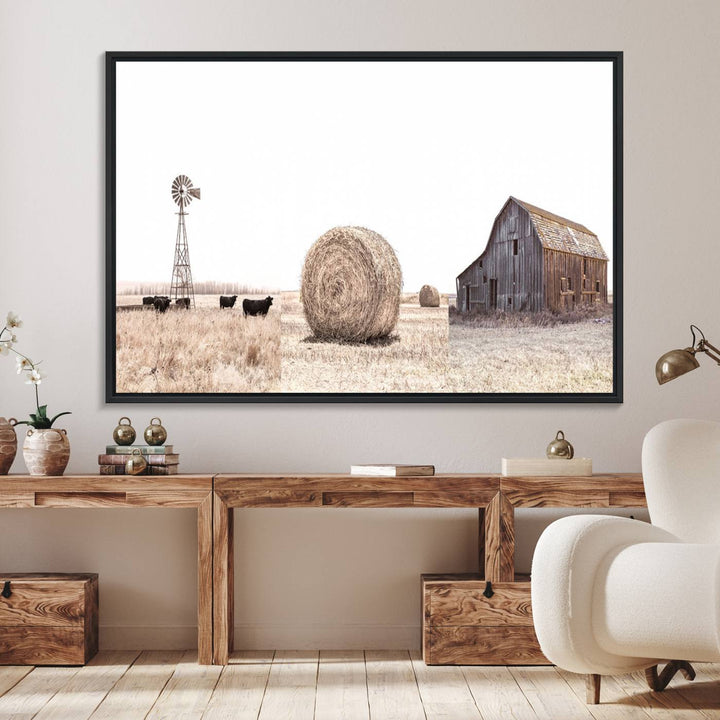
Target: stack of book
<point>161,459</point>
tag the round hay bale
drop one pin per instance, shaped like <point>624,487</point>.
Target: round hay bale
<point>350,286</point>
<point>429,296</point>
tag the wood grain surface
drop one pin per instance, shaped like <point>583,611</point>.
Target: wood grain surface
<point>43,602</point>
<point>126,491</point>
<point>502,645</point>
<point>499,540</point>
<point>463,603</point>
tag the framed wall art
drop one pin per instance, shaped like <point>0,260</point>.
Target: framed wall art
<point>384,227</point>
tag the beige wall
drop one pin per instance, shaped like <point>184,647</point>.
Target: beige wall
<point>340,578</point>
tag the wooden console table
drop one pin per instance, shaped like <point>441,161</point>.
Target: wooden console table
<point>215,497</point>
<point>93,491</point>
<point>495,497</point>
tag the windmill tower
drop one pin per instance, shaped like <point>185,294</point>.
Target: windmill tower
<point>181,285</point>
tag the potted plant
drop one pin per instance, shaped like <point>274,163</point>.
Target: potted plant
<point>46,449</point>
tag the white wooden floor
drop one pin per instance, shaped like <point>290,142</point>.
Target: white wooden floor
<point>370,685</point>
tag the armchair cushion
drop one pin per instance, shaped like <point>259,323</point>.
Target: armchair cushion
<point>659,600</point>
<point>567,559</point>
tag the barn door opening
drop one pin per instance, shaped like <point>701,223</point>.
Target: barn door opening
<point>467,298</point>
<point>493,293</point>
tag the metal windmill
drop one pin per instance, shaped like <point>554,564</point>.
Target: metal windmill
<point>181,285</point>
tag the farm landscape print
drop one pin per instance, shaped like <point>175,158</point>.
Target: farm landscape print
<point>365,229</point>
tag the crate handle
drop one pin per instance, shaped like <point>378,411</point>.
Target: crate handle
<point>488,592</point>
<point>6,592</point>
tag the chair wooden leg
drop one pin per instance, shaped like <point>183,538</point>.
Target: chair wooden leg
<point>592,689</point>
<point>658,682</point>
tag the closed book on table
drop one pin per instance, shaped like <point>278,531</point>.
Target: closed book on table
<point>547,467</point>
<point>392,470</point>
<point>144,449</point>
<point>172,459</point>
<point>48,618</point>
<point>149,470</point>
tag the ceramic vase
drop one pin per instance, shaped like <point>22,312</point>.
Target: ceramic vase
<point>47,451</point>
<point>8,444</point>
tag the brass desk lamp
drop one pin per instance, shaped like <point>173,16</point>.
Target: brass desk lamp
<point>677,362</point>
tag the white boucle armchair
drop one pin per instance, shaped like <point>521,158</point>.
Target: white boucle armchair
<point>613,595</point>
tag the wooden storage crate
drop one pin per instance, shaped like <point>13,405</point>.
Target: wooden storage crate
<point>461,626</point>
<point>48,618</point>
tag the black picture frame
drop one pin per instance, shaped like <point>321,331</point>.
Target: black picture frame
<point>112,59</point>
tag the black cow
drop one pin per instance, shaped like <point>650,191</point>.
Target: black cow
<point>257,307</point>
<point>161,304</point>
<point>227,301</point>
<point>183,302</point>
<point>149,300</point>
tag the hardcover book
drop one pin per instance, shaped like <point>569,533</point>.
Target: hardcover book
<point>546,467</point>
<point>392,470</point>
<point>171,459</point>
<point>150,470</point>
<point>144,449</point>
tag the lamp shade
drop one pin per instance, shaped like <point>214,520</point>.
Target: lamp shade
<point>675,363</point>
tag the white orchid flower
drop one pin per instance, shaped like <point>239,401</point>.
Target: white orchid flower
<point>23,364</point>
<point>35,377</point>
<point>5,346</point>
<point>13,320</point>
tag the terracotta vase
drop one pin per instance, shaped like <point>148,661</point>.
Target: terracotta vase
<point>46,452</point>
<point>8,444</point>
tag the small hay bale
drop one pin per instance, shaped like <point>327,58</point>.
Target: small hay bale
<point>350,287</point>
<point>429,296</point>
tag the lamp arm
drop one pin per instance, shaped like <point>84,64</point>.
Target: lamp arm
<point>710,350</point>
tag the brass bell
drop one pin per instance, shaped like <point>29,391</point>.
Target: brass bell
<point>136,463</point>
<point>155,433</point>
<point>560,448</point>
<point>124,433</point>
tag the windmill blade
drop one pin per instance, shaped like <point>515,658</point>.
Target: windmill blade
<point>194,192</point>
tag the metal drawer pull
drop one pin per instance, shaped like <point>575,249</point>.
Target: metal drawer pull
<point>6,592</point>
<point>488,592</point>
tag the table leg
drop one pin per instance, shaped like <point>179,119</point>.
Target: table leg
<point>499,518</point>
<point>223,581</point>
<point>205,579</point>
<point>481,541</point>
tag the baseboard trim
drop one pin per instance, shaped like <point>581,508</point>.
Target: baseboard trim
<point>254,636</point>
<point>327,637</point>
<point>148,637</point>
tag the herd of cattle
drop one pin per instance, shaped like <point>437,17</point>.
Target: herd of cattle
<point>161,303</point>
<point>250,307</point>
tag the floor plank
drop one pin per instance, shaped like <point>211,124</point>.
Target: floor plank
<point>11,675</point>
<point>342,686</point>
<point>290,691</point>
<point>188,691</point>
<point>392,688</point>
<point>86,689</point>
<point>241,688</point>
<point>444,692</point>
<point>497,694</point>
<point>138,689</point>
<point>347,685</point>
<point>615,703</point>
<point>34,691</point>
<point>666,705</point>
<point>548,694</point>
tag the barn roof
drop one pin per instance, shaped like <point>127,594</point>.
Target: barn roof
<point>559,233</point>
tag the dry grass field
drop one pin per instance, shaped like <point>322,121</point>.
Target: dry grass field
<point>412,359</point>
<point>519,354</point>
<point>206,350</point>
<point>210,350</point>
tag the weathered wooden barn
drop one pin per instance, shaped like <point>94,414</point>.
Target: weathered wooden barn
<point>534,260</point>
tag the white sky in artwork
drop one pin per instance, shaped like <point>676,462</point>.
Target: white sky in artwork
<point>425,153</point>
